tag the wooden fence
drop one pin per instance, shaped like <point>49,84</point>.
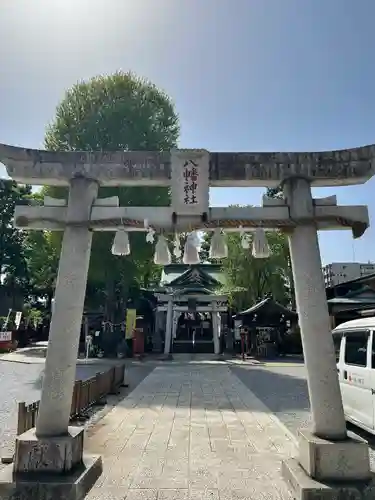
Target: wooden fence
<point>86,394</point>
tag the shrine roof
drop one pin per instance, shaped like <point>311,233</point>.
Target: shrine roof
<point>205,276</point>
<point>352,301</point>
<point>368,279</point>
<point>117,168</point>
<point>352,288</point>
<point>365,292</point>
<point>361,296</point>
<point>267,306</point>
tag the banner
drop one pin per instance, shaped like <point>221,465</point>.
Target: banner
<point>131,316</point>
<point>237,329</point>
<point>17,320</point>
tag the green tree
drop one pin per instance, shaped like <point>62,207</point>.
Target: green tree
<point>276,192</point>
<point>13,268</point>
<point>249,280</point>
<point>42,258</point>
<point>117,112</point>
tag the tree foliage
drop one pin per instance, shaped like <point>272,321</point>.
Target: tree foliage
<point>28,259</point>
<point>117,112</point>
<point>249,280</point>
<point>276,192</point>
<point>42,258</point>
<point>13,268</point>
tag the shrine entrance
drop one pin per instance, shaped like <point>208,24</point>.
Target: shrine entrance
<point>190,173</point>
<point>194,333</point>
<point>196,322</point>
<point>198,312</point>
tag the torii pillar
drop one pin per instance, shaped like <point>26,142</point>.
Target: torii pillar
<point>60,370</point>
<point>49,461</point>
<point>326,453</point>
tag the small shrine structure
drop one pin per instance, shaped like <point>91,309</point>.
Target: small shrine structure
<point>267,322</point>
<point>197,308</point>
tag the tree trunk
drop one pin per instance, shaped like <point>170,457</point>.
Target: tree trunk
<point>49,301</point>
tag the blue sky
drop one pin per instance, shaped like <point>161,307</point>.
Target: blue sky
<point>246,75</point>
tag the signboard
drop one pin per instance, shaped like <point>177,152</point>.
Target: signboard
<point>17,320</point>
<point>190,181</point>
<point>237,329</point>
<point>265,333</point>
<point>131,316</point>
<point>5,336</point>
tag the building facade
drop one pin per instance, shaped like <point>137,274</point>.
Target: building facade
<point>351,300</point>
<point>340,272</point>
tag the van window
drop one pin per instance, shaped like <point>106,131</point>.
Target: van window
<point>373,351</point>
<point>356,348</point>
<point>337,344</point>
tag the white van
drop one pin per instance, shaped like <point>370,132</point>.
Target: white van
<point>355,351</point>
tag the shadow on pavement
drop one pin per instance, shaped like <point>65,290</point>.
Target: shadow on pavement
<point>279,392</point>
<point>287,397</point>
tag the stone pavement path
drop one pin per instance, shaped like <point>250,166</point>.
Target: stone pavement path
<point>191,432</point>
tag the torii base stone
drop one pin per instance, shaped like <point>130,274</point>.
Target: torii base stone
<point>50,469</point>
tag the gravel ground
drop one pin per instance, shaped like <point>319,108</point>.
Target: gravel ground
<point>22,383</point>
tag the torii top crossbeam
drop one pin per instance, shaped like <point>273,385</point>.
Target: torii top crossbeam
<point>328,168</point>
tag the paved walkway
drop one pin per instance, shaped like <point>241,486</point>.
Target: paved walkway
<point>191,432</point>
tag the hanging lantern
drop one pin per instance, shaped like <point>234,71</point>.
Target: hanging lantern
<point>150,236</point>
<point>121,245</point>
<point>261,250</point>
<point>218,248</point>
<point>150,232</point>
<point>191,254</point>
<point>162,256</point>
<point>177,252</point>
<point>245,241</point>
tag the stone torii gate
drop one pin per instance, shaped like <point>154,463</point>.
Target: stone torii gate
<point>325,453</point>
